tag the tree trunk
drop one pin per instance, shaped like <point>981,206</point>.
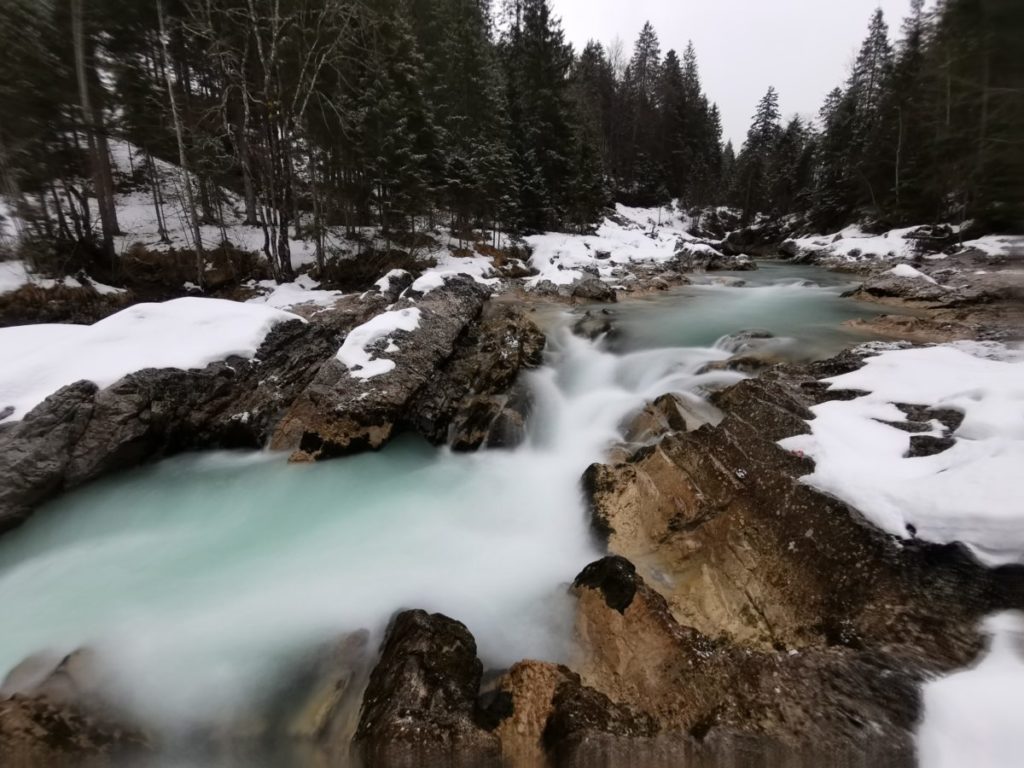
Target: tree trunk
<point>95,133</point>
<point>182,157</point>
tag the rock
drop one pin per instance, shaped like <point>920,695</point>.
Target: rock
<point>339,414</point>
<point>81,432</point>
<point>666,414</point>
<point>761,239</point>
<point>886,285</point>
<point>472,399</point>
<point>393,284</point>
<point>719,520</point>
<point>37,732</point>
<point>695,256</point>
<point>817,702</point>
<point>294,394</point>
<point>593,325</point>
<point>929,445</point>
<point>420,707</point>
<point>593,289</point>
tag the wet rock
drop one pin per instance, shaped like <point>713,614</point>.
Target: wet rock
<point>744,341</point>
<point>82,432</point>
<point>473,398</point>
<point>719,519</point>
<point>593,325</point>
<point>593,289</point>
<point>339,414</point>
<point>886,285</point>
<point>37,732</point>
<point>666,414</point>
<point>815,702</point>
<point>420,707</point>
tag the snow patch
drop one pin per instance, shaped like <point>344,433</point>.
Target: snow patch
<point>905,270</point>
<point>185,333</point>
<point>969,492</point>
<point>305,290</point>
<point>355,353</point>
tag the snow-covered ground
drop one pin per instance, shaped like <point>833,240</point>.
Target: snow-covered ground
<point>976,717</point>
<point>852,244</point>
<point>185,333</point>
<point>970,492</point>
<point>634,235</point>
<point>998,245</point>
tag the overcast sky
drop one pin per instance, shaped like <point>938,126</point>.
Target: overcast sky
<point>802,47</point>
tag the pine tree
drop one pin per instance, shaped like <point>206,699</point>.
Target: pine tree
<point>752,166</point>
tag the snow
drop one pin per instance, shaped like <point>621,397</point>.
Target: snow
<point>998,245</point>
<point>905,270</point>
<point>448,265</point>
<point>355,353</point>
<point>305,290</point>
<point>16,274</point>
<point>185,333</point>
<point>852,244</point>
<point>975,717</point>
<point>384,284</point>
<point>633,236</point>
<point>968,493</point>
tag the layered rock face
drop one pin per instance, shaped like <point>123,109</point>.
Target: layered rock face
<point>453,381</point>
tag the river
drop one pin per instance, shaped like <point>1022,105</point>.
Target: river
<point>198,578</point>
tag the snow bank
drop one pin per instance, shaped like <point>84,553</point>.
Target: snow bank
<point>632,236</point>
<point>384,284</point>
<point>305,290</point>
<point>851,244</point>
<point>355,353</point>
<point>905,270</point>
<point>185,333</point>
<point>976,717</point>
<point>970,492</point>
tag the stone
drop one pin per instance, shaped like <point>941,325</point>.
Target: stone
<point>420,706</point>
<point>593,289</point>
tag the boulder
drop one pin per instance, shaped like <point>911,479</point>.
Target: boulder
<point>719,520</point>
<point>39,732</point>
<point>825,705</point>
<point>592,325</point>
<point>593,289</point>
<point>420,706</point>
<point>474,398</point>
<point>82,432</point>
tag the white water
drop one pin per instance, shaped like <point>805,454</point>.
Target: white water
<point>195,578</point>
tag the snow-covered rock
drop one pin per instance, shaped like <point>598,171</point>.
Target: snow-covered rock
<point>969,492</point>
<point>185,333</point>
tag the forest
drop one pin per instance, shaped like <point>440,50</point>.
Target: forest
<point>405,114</point>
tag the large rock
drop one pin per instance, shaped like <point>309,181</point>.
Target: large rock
<point>294,393</point>
<point>420,707</point>
<point>40,732</point>
<point>82,432</point>
<point>836,706</point>
<point>718,519</point>
<point>452,372</point>
<point>593,289</point>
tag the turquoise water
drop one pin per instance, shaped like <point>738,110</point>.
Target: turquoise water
<point>195,579</point>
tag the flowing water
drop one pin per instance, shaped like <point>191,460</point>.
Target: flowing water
<point>199,576</point>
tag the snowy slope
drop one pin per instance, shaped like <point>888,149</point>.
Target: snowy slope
<point>969,492</point>
<point>634,235</point>
<point>184,333</point>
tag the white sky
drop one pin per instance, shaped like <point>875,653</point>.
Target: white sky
<point>802,47</point>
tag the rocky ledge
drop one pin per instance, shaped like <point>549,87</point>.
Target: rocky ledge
<point>454,381</point>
